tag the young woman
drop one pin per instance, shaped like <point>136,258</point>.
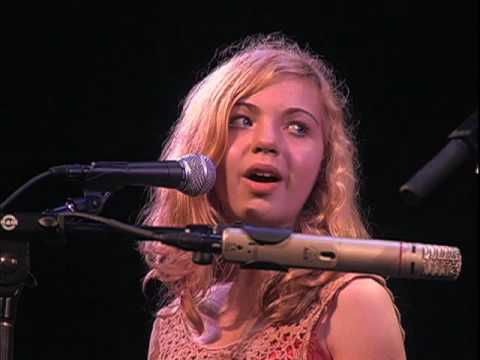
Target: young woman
<point>272,117</point>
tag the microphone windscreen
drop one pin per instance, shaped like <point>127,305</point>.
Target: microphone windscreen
<point>200,174</point>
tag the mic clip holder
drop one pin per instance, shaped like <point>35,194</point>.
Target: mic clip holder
<point>260,235</point>
<point>200,257</point>
<point>92,202</point>
<point>264,237</point>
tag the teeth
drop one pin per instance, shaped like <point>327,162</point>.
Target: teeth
<point>264,174</point>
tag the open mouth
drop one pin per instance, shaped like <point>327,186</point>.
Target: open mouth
<point>263,177</point>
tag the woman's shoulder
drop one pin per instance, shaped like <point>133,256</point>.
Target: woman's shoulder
<point>363,295</point>
<point>362,309</point>
<point>335,282</point>
<point>168,309</point>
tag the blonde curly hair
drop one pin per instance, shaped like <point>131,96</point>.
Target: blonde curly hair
<point>331,209</point>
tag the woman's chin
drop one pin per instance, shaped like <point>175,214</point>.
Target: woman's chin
<point>266,218</point>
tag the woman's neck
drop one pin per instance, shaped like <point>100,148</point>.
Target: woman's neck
<point>242,303</point>
<point>231,310</point>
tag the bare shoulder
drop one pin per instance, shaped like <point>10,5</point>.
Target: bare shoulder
<point>362,323</point>
<point>365,292</point>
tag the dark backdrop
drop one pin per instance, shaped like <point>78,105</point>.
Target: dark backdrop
<point>112,82</point>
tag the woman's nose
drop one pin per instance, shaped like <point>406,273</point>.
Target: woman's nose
<point>266,138</point>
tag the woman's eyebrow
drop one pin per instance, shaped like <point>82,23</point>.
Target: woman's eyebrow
<point>289,111</point>
<point>248,105</point>
<point>294,110</point>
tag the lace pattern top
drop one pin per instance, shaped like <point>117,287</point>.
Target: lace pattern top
<point>171,338</point>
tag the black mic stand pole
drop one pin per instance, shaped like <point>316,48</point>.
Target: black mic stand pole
<point>14,275</point>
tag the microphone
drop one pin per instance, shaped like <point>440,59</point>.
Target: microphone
<point>252,247</point>
<point>192,174</point>
<point>463,141</point>
<point>279,249</point>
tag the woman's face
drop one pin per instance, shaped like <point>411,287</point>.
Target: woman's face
<point>274,154</point>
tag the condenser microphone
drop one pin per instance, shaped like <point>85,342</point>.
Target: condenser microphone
<point>281,249</point>
<point>462,145</point>
<point>192,174</point>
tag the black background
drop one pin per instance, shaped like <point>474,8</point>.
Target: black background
<point>112,82</point>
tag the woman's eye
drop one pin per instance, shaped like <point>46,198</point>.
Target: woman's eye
<point>298,128</point>
<point>240,121</point>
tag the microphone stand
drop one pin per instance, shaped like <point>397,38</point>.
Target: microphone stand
<point>14,275</point>
<point>15,233</point>
<point>18,229</point>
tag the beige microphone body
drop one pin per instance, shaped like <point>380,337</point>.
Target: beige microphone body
<point>389,258</point>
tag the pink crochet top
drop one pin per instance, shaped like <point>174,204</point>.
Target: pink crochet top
<point>172,339</point>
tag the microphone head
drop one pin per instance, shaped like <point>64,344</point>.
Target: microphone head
<point>441,262</point>
<point>200,174</point>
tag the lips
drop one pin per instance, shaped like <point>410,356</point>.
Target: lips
<point>262,179</point>
<point>263,173</point>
